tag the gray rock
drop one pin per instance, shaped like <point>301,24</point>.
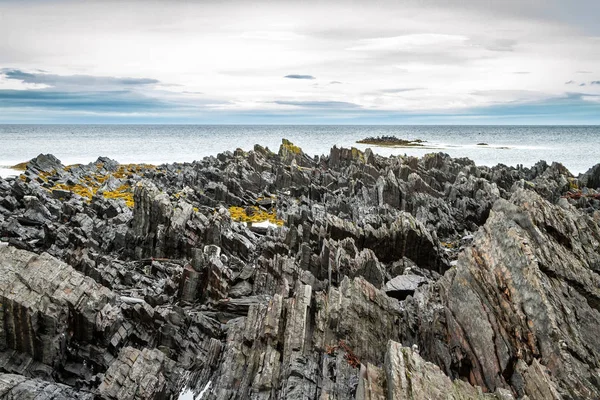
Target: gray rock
<point>45,304</point>
<point>403,285</point>
<point>501,264</point>
<point>17,387</point>
<point>140,375</point>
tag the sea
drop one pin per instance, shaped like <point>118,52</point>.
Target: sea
<point>576,147</point>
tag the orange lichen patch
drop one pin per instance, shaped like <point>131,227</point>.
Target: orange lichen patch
<point>577,194</point>
<point>20,166</point>
<point>330,350</point>
<point>239,214</point>
<point>350,357</point>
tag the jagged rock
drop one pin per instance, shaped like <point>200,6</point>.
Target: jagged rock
<point>45,305</point>
<point>488,273</point>
<point>351,313</point>
<point>140,375</point>
<point>17,387</point>
<point>530,285</point>
<point>591,178</point>
<point>45,163</point>
<point>339,259</point>
<point>408,376</point>
<point>241,289</point>
<point>403,285</point>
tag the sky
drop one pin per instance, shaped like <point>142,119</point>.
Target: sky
<point>293,62</point>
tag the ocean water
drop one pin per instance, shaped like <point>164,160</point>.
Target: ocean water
<point>577,147</point>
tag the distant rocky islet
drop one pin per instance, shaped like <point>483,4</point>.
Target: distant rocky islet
<point>257,275</point>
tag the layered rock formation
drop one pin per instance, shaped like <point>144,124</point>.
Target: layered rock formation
<point>261,275</point>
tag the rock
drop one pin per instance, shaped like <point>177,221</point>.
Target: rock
<point>391,141</point>
<point>403,285</point>
<point>408,376</point>
<point>591,178</point>
<point>139,375</point>
<point>46,304</point>
<point>45,163</point>
<point>140,281</point>
<point>345,313</point>
<point>241,289</point>
<point>529,287</point>
<point>18,387</point>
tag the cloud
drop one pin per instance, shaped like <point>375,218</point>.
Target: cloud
<point>399,90</point>
<point>272,35</point>
<point>76,81</point>
<point>318,104</point>
<point>105,101</point>
<point>422,41</point>
<point>500,45</point>
<point>164,56</point>
<point>81,94</point>
<point>296,76</point>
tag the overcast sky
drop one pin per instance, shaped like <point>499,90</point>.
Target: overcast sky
<point>471,62</point>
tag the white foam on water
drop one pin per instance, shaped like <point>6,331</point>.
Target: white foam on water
<point>574,147</point>
<point>6,172</point>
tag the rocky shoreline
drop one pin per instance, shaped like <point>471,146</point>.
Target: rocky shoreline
<point>391,141</point>
<point>261,275</point>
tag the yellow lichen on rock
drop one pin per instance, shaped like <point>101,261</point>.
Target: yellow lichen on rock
<point>290,147</point>
<point>239,214</point>
<point>20,166</point>
<point>125,170</point>
<point>45,175</point>
<point>79,189</point>
<point>573,183</point>
<point>90,184</point>
<point>357,154</point>
<point>123,192</point>
<point>70,167</point>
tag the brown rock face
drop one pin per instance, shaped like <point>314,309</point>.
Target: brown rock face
<point>526,291</point>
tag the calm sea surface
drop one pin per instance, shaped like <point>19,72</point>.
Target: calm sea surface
<point>577,147</point>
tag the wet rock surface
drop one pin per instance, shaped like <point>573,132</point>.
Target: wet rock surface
<point>262,275</point>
